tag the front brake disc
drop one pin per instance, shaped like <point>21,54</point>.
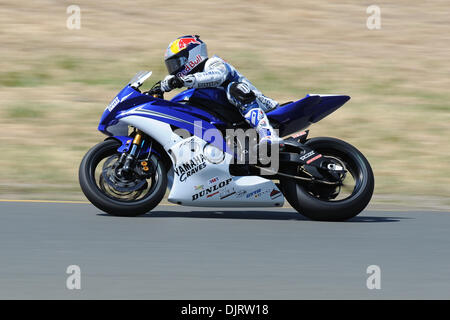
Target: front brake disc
<point>121,183</point>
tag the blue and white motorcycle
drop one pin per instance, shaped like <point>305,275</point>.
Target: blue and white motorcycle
<point>144,154</point>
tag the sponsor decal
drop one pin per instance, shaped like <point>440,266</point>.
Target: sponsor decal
<point>193,145</point>
<point>259,193</point>
<point>185,41</point>
<point>226,193</point>
<point>298,135</point>
<point>212,194</point>
<point>188,169</point>
<point>254,117</point>
<point>313,159</point>
<point>308,155</point>
<point>275,194</point>
<point>208,84</point>
<point>116,101</point>
<point>241,193</point>
<point>211,191</point>
<point>199,187</point>
<point>213,180</point>
<point>190,65</point>
<point>254,194</point>
<point>179,44</point>
<point>113,104</point>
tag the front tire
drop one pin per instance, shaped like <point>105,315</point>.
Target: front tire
<point>114,206</point>
<point>311,205</point>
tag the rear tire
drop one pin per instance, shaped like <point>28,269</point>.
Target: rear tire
<point>107,204</point>
<point>317,209</point>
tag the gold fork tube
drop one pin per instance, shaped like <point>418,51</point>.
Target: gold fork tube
<point>137,138</point>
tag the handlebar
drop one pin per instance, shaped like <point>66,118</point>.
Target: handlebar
<point>156,91</point>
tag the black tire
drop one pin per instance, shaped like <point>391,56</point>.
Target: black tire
<point>322,210</point>
<point>107,204</point>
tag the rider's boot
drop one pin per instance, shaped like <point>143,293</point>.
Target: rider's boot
<point>257,118</point>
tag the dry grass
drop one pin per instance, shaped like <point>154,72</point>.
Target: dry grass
<point>54,82</point>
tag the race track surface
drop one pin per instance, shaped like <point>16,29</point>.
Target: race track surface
<point>190,253</point>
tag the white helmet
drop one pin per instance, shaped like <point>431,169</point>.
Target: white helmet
<point>185,55</point>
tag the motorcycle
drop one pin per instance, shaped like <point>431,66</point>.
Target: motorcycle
<point>144,153</point>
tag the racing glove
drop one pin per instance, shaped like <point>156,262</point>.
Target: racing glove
<point>171,82</point>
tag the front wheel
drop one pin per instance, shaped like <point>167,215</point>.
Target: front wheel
<point>332,202</point>
<point>128,196</point>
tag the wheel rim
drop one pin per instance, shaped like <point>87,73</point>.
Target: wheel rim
<point>108,158</point>
<point>351,184</point>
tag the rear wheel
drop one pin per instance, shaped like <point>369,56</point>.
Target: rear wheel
<point>131,195</point>
<point>332,202</point>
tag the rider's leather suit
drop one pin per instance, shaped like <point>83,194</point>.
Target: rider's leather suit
<point>240,92</point>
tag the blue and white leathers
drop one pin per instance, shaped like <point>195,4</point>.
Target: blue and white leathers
<point>200,174</point>
<point>218,73</point>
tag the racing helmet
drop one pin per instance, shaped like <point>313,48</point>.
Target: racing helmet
<point>185,54</point>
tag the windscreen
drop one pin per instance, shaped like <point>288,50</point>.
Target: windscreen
<point>139,78</point>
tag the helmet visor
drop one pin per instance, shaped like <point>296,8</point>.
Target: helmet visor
<point>176,63</point>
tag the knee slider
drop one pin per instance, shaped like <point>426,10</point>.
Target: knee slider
<point>242,93</point>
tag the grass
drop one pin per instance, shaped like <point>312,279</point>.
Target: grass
<point>55,83</point>
<point>20,111</point>
<point>19,79</point>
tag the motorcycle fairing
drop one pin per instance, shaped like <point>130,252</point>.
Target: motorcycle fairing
<point>289,118</point>
<point>192,169</point>
<point>174,115</point>
<point>214,94</point>
<point>213,101</point>
<point>131,102</point>
<point>126,99</point>
<point>196,181</point>
<point>300,114</point>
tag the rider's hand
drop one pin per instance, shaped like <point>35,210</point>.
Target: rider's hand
<point>171,82</point>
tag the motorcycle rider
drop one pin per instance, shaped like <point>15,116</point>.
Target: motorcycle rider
<point>188,65</point>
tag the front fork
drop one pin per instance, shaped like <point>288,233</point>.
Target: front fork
<point>135,146</point>
<point>128,159</point>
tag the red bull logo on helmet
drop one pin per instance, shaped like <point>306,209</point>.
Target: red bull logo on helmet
<point>181,44</point>
<point>185,41</point>
<point>191,65</point>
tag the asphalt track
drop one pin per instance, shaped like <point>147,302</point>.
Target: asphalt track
<point>190,253</point>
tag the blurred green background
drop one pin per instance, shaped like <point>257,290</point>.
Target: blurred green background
<point>55,82</point>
